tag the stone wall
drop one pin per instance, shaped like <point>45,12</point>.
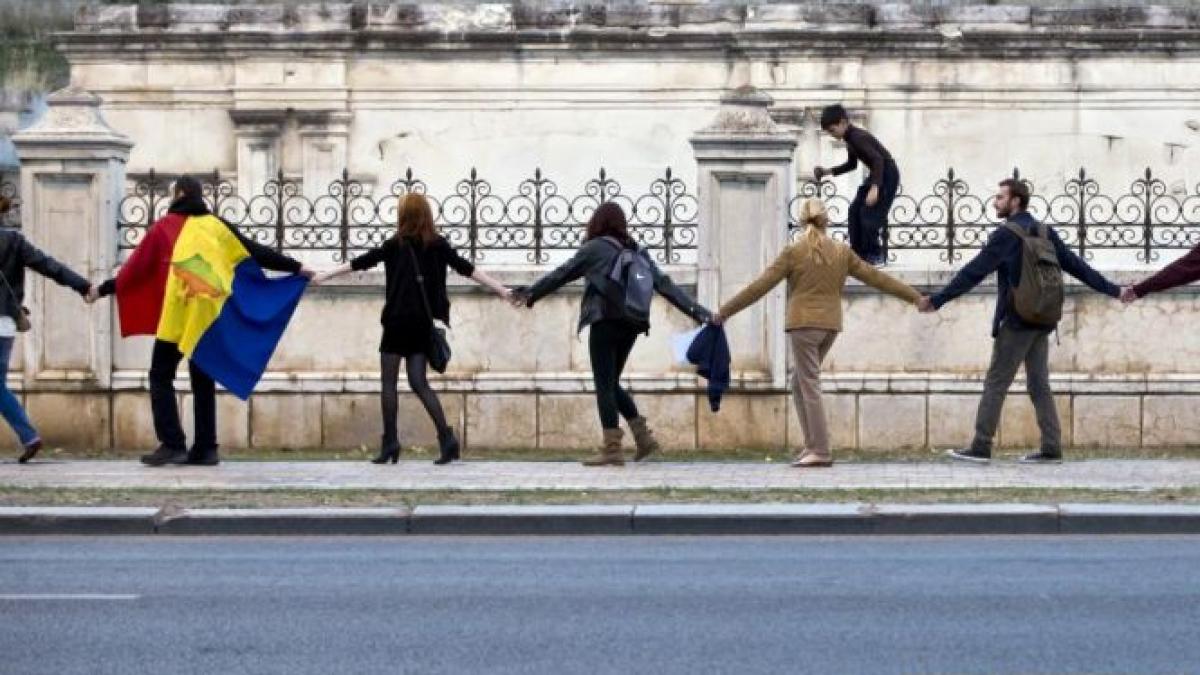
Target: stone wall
<point>377,87</point>
<point>1124,377</point>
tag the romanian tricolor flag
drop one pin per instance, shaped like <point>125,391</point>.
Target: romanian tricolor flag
<point>192,281</point>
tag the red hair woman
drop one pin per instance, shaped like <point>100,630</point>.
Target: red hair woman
<point>415,261</point>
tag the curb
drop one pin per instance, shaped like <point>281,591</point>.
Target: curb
<point>581,520</point>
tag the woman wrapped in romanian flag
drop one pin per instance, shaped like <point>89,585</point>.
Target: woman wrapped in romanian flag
<point>197,285</point>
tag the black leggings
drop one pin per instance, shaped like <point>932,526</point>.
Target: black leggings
<point>609,344</point>
<point>389,365</point>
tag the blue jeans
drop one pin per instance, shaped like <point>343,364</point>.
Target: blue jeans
<point>10,407</point>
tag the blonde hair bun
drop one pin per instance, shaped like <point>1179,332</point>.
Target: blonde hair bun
<point>813,212</point>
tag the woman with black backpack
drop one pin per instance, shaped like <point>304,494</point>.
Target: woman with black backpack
<point>615,312</point>
<point>17,254</point>
<point>415,261</point>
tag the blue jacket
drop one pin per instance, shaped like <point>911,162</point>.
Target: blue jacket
<point>710,352</point>
<point>1002,254</point>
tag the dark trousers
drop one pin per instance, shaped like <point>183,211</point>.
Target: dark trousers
<point>1012,347</point>
<point>609,344</point>
<point>868,224</point>
<point>164,362</point>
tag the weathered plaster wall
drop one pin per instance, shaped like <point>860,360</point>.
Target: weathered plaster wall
<point>506,87</point>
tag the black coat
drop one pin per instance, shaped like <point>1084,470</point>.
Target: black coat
<point>16,254</point>
<point>593,261</point>
<point>403,306</point>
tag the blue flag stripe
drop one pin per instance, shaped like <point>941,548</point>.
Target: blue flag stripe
<point>237,347</point>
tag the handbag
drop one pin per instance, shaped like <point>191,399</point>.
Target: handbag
<point>439,347</point>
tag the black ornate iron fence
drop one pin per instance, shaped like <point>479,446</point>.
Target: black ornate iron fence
<point>10,191</point>
<point>346,219</point>
<point>1146,218</point>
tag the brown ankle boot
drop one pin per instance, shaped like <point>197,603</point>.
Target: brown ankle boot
<point>644,438</point>
<point>610,452</point>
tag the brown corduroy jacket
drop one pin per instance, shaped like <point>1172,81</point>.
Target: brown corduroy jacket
<point>815,288</point>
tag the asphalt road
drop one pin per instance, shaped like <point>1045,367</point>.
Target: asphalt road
<point>600,605</point>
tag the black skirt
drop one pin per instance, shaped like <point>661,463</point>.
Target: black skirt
<point>405,339</point>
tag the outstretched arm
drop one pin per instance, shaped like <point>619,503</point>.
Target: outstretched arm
<point>358,264</point>
<point>267,257</point>
<point>776,272</point>
<point>1075,266</point>
<point>665,286</point>
<point>882,280</point>
<point>998,247</point>
<point>483,279</point>
<point>334,273</point>
<point>1182,271</point>
<point>37,260</point>
<point>850,164</point>
<point>564,274</point>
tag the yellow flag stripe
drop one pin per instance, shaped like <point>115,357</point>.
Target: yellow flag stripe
<point>200,280</point>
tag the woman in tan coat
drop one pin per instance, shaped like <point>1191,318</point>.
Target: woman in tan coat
<point>816,268</point>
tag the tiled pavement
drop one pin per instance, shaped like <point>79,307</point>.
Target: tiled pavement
<point>1108,474</point>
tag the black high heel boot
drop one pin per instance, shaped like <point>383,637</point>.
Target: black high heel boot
<point>389,453</point>
<point>449,447</point>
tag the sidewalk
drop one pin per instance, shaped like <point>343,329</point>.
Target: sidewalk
<point>1107,474</point>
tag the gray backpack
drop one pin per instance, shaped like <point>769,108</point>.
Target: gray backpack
<point>631,280</point>
<point>1038,297</point>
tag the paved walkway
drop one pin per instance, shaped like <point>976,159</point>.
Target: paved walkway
<point>482,475</point>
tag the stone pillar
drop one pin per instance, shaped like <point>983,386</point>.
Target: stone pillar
<point>72,183</point>
<point>258,134</point>
<point>323,141</point>
<point>745,178</point>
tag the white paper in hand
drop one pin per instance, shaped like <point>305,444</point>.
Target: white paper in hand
<point>680,342</point>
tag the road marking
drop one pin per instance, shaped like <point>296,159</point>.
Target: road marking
<point>68,596</point>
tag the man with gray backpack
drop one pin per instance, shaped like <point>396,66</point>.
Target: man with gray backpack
<point>1029,259</point>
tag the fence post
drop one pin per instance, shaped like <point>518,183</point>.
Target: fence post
<point>72,182</point>
<point>280,204</point>
<point>344,216</point>
<point>745,179</point>
<point>1081,222</point>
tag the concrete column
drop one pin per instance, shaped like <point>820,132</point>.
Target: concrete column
<point>745,178</point>
<point>259,148</point>
<point>72,182</point>
<point>13,104</point>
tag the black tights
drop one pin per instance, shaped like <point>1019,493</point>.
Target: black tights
<point>389,365</point>
<point>609,344</point>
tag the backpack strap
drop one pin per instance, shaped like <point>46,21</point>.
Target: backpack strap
<point>1042,230</point>
<point>1015,229</point>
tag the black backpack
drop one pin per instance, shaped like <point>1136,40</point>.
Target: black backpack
<point>631,283</point>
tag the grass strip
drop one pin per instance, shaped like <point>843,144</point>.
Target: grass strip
<point>13,496</point>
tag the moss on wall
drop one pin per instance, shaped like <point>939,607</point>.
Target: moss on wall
<point>27,59</point>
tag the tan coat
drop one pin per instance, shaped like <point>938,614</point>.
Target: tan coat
<point>814,287</point>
